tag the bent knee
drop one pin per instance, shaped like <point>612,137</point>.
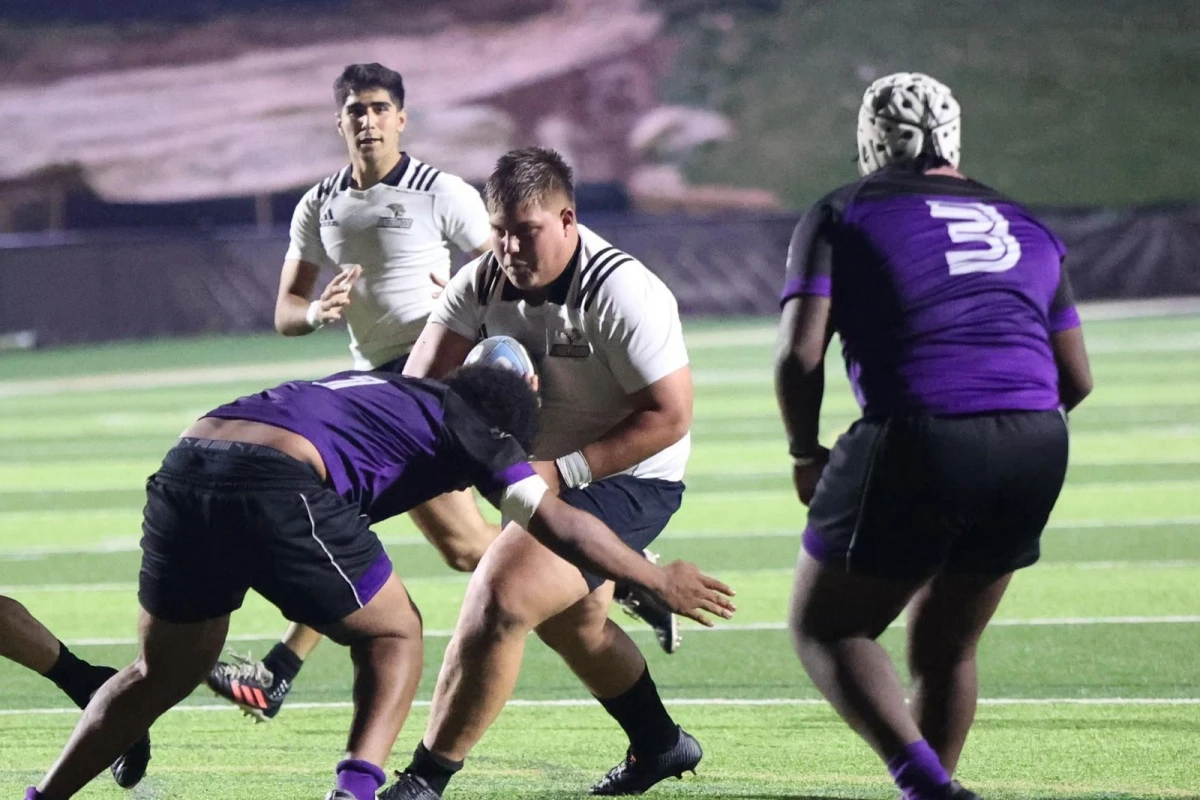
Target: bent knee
<point>463,557</point>
<point>499,607</point>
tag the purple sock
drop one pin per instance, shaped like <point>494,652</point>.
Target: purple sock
<point>918,773</point>
<point>359,778</point>
<point>32,794</point>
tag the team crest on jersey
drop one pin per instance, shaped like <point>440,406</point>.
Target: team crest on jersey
<point>397,219</point>
<point>569,343</point>
<point>327,220</point>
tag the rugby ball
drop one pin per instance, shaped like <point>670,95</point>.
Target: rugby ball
<point>502,351</point>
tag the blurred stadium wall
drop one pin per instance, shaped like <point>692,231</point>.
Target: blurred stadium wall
<point>153,152</point>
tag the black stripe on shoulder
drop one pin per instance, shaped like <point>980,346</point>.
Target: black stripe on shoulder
<point>329,184</point>
<point>494,278</point>
<point>588,295</point>
<point>595,266</point>
<point>428,183</point>
<point>596,258</point>
<point>417,176</point>
<point>485,278</point>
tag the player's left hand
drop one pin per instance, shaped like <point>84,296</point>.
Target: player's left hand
<point>806,476</point>
<point>690,593</point>
<point>548,471</point>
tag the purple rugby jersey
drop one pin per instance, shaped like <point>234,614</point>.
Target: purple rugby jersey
<point>943,292</point>
<point>389,442</point>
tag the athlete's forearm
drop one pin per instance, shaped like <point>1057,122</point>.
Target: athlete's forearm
<point>633,440</point>
<point>291,315</point>
<point>586,542</point>
<point>799,390</point>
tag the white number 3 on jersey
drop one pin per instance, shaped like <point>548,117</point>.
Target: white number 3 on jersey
<point>977,222</point>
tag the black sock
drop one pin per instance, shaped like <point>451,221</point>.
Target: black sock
<point>283,663</point>
<point>432,768</point>
<point>77,678</point>
<point>640,712</point>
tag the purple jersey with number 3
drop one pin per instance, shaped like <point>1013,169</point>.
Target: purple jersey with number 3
<point>389,442</point>
<point>943,292</point>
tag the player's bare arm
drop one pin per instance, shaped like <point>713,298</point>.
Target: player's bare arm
<point>804,335</point>
<point>662,416</point>
<point>295,313</point>
<point>585,541</point>
<point>437,351</point>
<point>1074,371</point>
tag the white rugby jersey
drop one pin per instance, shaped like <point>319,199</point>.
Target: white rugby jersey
<point>609,328</point>
<point>399,230</point>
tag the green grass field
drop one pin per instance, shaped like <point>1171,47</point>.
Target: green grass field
<point>1091,674</point>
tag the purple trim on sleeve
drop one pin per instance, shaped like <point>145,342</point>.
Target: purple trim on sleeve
<point>371,581</point>
<point>820,285</point>
<point>505,478</point>
<point>1063,319</point>
<point>818,547</point>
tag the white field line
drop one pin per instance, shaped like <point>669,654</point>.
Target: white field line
<point>131,545</point>
<point>131,587</point>
<point>732,627</point>
<point>685,701</point>
<point>713,339</point>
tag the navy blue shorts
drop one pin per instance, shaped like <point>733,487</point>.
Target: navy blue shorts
<point>396,365</point>
<point>636,509</point>
<point>225,517</point>
<point>904,498</point>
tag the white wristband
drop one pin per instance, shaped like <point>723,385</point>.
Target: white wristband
<point>574,469</point>
<point>313,315</point>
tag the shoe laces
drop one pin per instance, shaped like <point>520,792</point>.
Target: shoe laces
<point>246,668</point>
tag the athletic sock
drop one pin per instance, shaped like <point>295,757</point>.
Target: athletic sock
<point>918,773</point>
<point>77,678</point>
<point>641,714</point>
<point>432,768</point>
<point>283,663</point>
<point>359,778</point>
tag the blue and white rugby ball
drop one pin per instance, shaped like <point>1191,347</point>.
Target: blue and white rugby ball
<point>502,351</point>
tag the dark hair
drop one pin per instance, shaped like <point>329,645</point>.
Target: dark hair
<point>360,77</point>
<point>528,175</point>
<point>502,397</point>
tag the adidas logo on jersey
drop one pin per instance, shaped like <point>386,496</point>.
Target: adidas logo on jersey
<point>397,220</point>
<point>327,220</point>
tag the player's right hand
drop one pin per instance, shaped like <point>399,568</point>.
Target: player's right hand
<point>337,294</point>
<point>690,593</point>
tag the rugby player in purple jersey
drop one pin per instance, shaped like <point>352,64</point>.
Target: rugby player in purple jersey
<point>276,492</point>
<point>964,350</point>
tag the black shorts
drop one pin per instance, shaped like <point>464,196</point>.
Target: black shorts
<point>396,365</point>
<point>224,517</point>
<point>636,509</point>
<point>906,497</point>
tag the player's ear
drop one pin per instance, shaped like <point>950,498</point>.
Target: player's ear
<point>401,119</point>
<point>567,215</point>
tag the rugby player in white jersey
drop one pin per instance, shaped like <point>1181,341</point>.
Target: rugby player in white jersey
<point>616,392</point>
<point>384,224</point>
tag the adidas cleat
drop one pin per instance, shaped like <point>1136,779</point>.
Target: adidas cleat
<point>130,768</point>
<point>250,686</point>
<point>957,792</point>
<point>409,787</point>
<point>636,773</point>
<point>641,604</point>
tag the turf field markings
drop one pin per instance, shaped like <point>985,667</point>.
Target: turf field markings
<point>338,705</point>
<point>130,545</point>
<point>733,627</point>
